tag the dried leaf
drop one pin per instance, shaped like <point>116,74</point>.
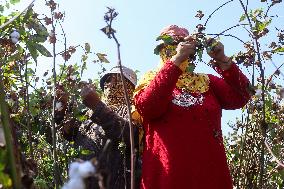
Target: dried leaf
<point>108,31</point>
<point>158,49</point>
<point>102,58</point>
<point>87,47</point>
<point>199,14</point>
<point>243,17</point>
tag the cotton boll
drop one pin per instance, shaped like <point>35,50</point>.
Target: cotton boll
<point>73,77</point>
<point>14,40</point>
<point>58,106</point>
<point>259,104</point>
<point>77,172</point>
<point>15,34</point>
<point>74,170</point>
<point>86,169</point>
<point>2,138</point>
<point>74,183</point>
<point>258,92</point>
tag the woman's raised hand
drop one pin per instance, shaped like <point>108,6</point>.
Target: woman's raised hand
<point>89,96</point>
<point>215,50</point>
<point>184,50</point>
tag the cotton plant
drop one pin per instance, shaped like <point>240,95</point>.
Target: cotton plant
<point>258,93</point>
<point>78,171</point>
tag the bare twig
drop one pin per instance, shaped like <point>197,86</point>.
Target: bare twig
<point>268,9</point>
<point>30,85</point>
<point>243,142</point>
<point>29,126</point>
<point>15,17</point>
<point>229,35</point>
<point>237,25</point>
<point>127,99</point>
<point>53,124</point>
<point>272,154</point>
<point>270,77</point>
<point>216,11</point>
<point>65,49</point>
<point>263,128</point>
<point>61,52</point>
<point>278,68</point>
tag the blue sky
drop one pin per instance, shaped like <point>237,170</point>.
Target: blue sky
<point>139,23</point>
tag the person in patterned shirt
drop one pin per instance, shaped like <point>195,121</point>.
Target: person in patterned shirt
<point>108,120</point>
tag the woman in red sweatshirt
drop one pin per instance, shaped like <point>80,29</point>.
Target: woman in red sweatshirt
<point>181,112</point>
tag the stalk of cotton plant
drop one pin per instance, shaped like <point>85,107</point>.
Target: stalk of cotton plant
<point>15,175</point>
<point>110,32</point>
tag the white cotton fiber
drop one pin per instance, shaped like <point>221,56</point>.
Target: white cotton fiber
<point>74,183</point>
<point>86,169</point>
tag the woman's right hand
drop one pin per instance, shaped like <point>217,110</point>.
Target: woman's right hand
<point>184,50</point>
<point>90,96</point>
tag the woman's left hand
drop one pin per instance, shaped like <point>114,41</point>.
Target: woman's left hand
<point>216,51</point>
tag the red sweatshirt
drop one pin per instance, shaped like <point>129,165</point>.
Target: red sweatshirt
<point>183,138</point>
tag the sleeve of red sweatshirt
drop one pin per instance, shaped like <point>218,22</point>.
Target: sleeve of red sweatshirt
<point>231,90</point>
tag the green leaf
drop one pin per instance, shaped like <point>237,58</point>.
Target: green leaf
<point>3,19</point>
<point>29,13</point>
<point>30,71</point>
<point>258,12</point>
<point>86,152</point>
<point>13,2</point>
<point>190,68</point>
<point>84,58</point>
<point>20,49</point>
<point>42,50</point>
<point>7,5</point>
<point>87,47</point>
<point>102,58</point>
<point>199,53</point>
<point>2,8</point>
<point>84,67</point>
<point>262,25</point>
<point>38,38</point>
<point>40,183</point>
<point>158,49</point>
<point>39,28</point>
<point>14,57</point>
<point>166,39</point>
<point>243,17</point>
<point>32,50</point>
<point>2,167</point>
<point>277,50</point>
<point>5,180</point>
